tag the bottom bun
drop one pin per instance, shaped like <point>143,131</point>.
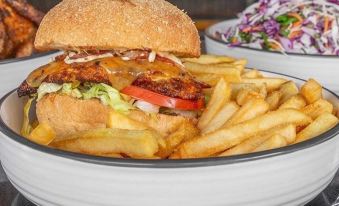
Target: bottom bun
<point>68,115</point>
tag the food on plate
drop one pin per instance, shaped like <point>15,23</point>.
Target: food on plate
<point>128,96</point>
<point>320,125</point>
<point>116,80</point>
<point>18,24</point>
<point>273,142</point>
<point>294,102</point>
<point>228,137</point>
<point>299,26</point>
<point>249,145</point>
<point>312,91</point>
<point>134,143</point>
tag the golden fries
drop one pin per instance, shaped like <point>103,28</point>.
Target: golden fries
<point>273,99</point>
<point>221,140</point>
<point>317,108</point>
<point>247,146</point>
<point>246,95</point>
<point>273,142</point>
<point>212,69</point>
<point>249,110</point>
<point>320,125</point>
<point>221,94</point>
<point>295,102</point>
<point>252,74</point>
<point>225,113</point>
<point>288,90</point>
<point>183,133</point>
<point>312,91</point>
<point>116,120</point>
<point>237,87</point>
<point>134,143</point>
<point>43,134</point>
<point>271,83</point>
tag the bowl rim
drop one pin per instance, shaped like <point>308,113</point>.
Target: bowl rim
<point>168,163</point>
<point>33,56</point>
<point>209,34</point>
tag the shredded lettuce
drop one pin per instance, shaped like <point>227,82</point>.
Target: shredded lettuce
<point>47,88</point>
<point>107,94</point>
<point>26,126</point>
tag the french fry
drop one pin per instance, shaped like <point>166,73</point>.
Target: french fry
<point>237,87</point>
<point>288,90</point>
<point>116,120</point>
<point>252,74</point>
<point>212,79</point>
<point>43,134</point>
<point>247,146</point>
<point>210,59</point>
<point>221,94</point>
<point>312,91</point>
<point>246,95</point>
<point>221,140</point>
<point>225,113</point>
<point>273,99</point>
<point>320,125</point>
<point>274,142</point>
<point>228,70</point>
<point>241,62</point>
<point>263,90</point>
<point>318,108</point>
<point>294,102</point>
<point>271,83</point>
<point>183,133</point>
<point>134,143</point>
<point>249,110</point>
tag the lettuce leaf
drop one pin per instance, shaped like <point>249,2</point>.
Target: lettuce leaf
<point>47,88</point>
<point>107,94</point>
<point>26,126</point>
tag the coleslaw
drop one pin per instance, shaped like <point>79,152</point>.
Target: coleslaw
<point>288,26</point>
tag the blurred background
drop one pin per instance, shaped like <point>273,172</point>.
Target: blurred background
<point>204,12</point>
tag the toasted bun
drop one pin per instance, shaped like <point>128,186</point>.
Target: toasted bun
<point>114,24</point>
<point>68,115</point>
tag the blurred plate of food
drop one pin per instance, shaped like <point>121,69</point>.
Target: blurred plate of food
<point>282,36</point>
<point>19,21</point>
<point>18,26</point>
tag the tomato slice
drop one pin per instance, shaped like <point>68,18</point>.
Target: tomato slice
<point>162,100</point>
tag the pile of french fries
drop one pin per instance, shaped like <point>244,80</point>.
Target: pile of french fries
<point>246,112</point>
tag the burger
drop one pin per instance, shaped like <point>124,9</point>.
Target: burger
<point>120,55</point>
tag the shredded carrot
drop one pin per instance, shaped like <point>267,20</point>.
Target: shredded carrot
<point>247,29</point>
<point>297,16</point>
<point>326,24</point>
<point>234,40</point>
<point>274,46</point>
<point>294,34</point>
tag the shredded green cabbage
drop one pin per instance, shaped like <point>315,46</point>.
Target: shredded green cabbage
<point>107,94</point>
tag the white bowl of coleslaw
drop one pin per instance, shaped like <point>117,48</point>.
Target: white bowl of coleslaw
<point>290,36</point>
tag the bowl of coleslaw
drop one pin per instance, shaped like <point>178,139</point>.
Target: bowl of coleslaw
<point>296,37</point>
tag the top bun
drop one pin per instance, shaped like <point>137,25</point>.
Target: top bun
<point>118,24</point>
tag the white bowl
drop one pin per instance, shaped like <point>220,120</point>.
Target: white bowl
<point>323,68</point>
<point>14,71</point>
<point>293,175</point>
